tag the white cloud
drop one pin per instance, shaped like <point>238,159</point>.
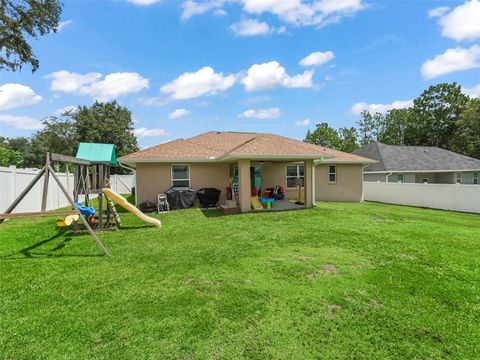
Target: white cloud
<point>251,27</point>
<point>304,122</point>
<point>438,11</point>
<point>450,61</point>
<point>271,113</point>
<point>293,12</point>
<point>329,78</point>
<point>220,12</point>
<point>299,13</point>
<point>202,82</point>
<point>117,84</point>
<point>21,122</point>
<point>66,109</point>
<point>472,92</point>
<point>272,74</point>
<point>463,22</point>
<point>15,95</point>
<point>381,108</point>
<point>112,86</point>
<point>144,132</point>
<point>70,82</point>
<point>317,58</point>
<point>178,113</point>
<point>64,24</point>
<point>143,2</point>
<point>193,8</point>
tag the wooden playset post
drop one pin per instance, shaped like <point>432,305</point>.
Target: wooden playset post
<point>100,195</point>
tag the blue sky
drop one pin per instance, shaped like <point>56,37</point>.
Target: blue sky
<point>187,67</point>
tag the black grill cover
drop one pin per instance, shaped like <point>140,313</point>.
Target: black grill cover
<point>208,197</point>
<point>180,197</point>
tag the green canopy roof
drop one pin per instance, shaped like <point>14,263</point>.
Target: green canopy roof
<point>97,152</point>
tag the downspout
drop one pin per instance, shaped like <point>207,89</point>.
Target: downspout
<point>388,175</point>
<point>314,201</point>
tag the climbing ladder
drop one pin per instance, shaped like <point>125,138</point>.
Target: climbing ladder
<point>113,209</point>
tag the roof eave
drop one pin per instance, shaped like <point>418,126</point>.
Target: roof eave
<point>164,160</point>
<point>249,156</point>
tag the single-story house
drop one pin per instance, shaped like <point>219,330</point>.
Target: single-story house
<point>418,164</point>
<point>213,158</point>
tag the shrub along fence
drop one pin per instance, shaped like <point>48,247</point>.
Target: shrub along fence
<point>13,181</point>
<point>457,197</point>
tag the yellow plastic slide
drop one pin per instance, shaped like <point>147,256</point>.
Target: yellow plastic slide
<point>256,204</point>
<point>120,200</point>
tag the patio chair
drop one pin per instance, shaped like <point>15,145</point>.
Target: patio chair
<point>162,203</point>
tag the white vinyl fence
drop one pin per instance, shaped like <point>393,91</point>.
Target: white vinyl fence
<point>455,197</point>
<point>13,181</point>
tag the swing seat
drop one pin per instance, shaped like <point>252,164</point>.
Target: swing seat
<point>84,209</point>
<point>67,221</point>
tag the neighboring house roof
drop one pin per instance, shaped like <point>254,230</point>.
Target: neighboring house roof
<point>414,158</point>
<point>347,158</point>
<point>94,152</point>
<point>222,146</point>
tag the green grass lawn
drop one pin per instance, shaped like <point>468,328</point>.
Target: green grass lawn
<point>338,281</point>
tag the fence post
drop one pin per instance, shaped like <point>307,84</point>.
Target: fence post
<point>13,182</point>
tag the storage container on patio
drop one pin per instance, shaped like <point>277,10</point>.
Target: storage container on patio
<point>208,197</point>
<point>180,197</point>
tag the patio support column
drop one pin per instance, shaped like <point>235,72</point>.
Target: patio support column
<point>308,183</point>
<point>244,190</point>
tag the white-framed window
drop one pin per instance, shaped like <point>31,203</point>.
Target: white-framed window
<point>458,178</point>
<point>401,177</point>
<point>475,178</point>
<point>332,174</point>
<point>295,176</point>
<point>181,175</point>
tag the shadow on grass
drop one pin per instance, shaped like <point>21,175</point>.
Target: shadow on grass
<point>27,253</point>
<point>135,227</point>
<point>212,213</point>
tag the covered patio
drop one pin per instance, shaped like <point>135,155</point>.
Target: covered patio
<point>274,173</point>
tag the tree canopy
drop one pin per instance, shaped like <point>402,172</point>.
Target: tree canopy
<point>108,123</point>
<point>441,116</point>
<point>21,21</point>
<point>8,156</point>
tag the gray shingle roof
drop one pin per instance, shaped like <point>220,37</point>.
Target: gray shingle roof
<point>414,158</point>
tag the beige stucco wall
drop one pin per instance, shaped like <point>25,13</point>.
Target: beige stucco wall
<point>274,174</point>
<point>349,185</point>
<point>153,179</point>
